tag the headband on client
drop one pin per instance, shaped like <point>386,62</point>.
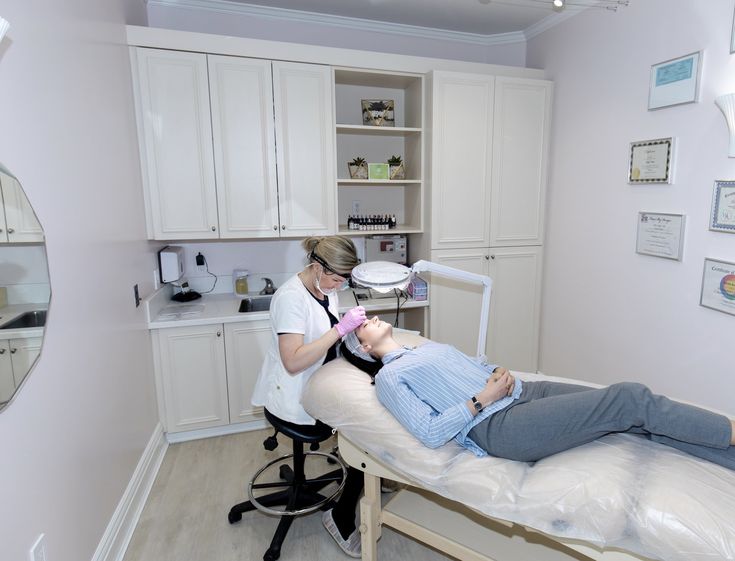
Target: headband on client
<point>356,356</point>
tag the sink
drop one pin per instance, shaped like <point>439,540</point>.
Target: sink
<point>256,304</point>
<point>35,318</point>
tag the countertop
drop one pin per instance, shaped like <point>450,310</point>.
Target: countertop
<point>9,313</point>
<point>223,308</point>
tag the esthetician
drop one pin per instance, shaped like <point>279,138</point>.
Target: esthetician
<point>306,333</point>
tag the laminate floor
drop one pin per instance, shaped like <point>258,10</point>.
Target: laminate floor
<point>185,517</point>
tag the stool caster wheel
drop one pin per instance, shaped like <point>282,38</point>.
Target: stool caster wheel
<point>331,461</point>
<point>234,517</point>
<point>285,472</point>
<point>271,555</point>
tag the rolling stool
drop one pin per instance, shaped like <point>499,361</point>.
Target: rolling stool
<point>297,494</point>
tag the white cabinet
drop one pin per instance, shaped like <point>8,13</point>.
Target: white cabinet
<point>514,306</point>
<point>17,356</point>
<point>209,127</point>
<point>192,381</point>
<point>18,222</point>
<point>7,384</point>
<point>205,375</point>
<point>247,344</point>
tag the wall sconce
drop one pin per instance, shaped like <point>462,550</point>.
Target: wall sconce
<point>726,103</point>
<point>4,25</point>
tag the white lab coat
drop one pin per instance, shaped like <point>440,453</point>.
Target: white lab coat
<point>293,310</point>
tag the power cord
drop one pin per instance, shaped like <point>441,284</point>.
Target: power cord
<point>201,260</point>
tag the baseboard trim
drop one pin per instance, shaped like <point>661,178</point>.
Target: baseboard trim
<point>185,436</point>
<point>120,529</point>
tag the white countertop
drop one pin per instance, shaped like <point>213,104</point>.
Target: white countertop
<point>9,313</point>
<point>223,308</point>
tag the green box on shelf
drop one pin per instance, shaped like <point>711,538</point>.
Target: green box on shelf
<point>378,171</point>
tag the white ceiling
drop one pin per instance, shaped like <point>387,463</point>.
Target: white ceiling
<point>484,17</point>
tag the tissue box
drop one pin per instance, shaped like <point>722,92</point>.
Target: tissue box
<point>418,289</point>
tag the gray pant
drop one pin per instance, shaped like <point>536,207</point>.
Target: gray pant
<point>550,417</point>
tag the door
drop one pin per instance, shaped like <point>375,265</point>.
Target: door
<point>193,377</point>
<point>23,354</point>
<point>514,311</point>
<point>247,344</point>
<point>241,94</point>
<point>172,95</point>
<point>520,153</point>
<point>7,383</point>
<point>304,117</point>
<point>462,119</point>
<point>21,223</point>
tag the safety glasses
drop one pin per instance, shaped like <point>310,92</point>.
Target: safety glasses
<point>344,277</point>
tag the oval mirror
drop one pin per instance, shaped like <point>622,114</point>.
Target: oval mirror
<point>25,290</point>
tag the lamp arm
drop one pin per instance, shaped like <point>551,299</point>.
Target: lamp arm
<point>457,274</point>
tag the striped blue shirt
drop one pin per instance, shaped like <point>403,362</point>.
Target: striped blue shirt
<point>427,388</point>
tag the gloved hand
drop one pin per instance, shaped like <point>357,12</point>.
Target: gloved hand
<point>352,319</point>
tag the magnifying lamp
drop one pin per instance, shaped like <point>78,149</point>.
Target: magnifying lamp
<point>384,276</point>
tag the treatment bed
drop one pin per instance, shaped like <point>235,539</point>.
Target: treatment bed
<point>618,498</point>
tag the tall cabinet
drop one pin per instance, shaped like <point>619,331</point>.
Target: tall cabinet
<point>488,161</point>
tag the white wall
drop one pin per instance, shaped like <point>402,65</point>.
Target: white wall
<point>608,313</point>
<point>230,22</point>
<point>73,435</point>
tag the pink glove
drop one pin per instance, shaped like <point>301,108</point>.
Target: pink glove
<point>352,319</point>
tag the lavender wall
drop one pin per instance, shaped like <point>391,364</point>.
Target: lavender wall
<point>74,433</point>
<point>608,313</point>
<point>241,25</point>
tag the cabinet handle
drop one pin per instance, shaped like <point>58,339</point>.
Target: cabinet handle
<point>283,227</point>
<point>492,257</point>
<point>219,334</point>
<point>487,258</point>
<point>13,351</point>
<point>275,227</point>
<point>11,230</point>
<point>2,351</point>
<point>214,229</point>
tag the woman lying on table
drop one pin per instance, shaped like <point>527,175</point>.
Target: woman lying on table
<point>438,393</point>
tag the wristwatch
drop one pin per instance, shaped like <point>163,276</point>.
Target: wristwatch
<point>477,404</point>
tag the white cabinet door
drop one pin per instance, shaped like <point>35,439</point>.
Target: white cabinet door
<point>455,305</point>
<point>304,116</point>
<point>462,120</point>
<point>7,383</point>
<point>23,354</point>
<point>172,96</point>
<point>21,224</point>
<point>520,141</point>
<point>515,306</point>
<point>244,146</point>
<point>192,377</point>
<point>247,344</point>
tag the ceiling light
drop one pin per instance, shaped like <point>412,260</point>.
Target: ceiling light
<point>558,3</point>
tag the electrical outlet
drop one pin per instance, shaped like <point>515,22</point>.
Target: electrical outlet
<point>137,295</point>
<point>38,549</point>
<point>355,207</point>
<point>200,261</point>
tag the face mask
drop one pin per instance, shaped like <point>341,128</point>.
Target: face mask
<point>327,291</point>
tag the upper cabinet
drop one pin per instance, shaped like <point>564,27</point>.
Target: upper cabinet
<point>18,222</point>
<point>489,151</point>
<point>234,147</point>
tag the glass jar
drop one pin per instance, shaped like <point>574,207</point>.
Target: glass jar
<point>240,282</point>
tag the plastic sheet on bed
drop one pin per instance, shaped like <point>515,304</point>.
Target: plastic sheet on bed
<point>620,491</point>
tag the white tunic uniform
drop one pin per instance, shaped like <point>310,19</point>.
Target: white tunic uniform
<point>293,310</point>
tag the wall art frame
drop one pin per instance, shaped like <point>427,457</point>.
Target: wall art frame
<point>675,81</point>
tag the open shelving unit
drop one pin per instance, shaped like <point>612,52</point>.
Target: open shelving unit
<point>402,197</point>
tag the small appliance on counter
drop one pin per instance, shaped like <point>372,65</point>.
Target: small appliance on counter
<point>240,282</point>
<point>393,248</point>
<point>171,267</point>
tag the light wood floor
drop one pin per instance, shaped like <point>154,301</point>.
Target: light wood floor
<point>185,517</point>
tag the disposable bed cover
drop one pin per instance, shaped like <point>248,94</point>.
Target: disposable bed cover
<point>619,491</point>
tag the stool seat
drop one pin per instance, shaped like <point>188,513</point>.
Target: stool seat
<point>310,434</point>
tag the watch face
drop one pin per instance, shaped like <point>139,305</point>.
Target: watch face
<point>478,405</point>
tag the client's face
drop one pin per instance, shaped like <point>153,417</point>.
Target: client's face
<point>372,331</point>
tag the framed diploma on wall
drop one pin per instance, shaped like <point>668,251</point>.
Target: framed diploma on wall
<point>660,235</point>
<point>723,207</point>
<point>651,161</point>
<point>675,81</point>
<point>718,286</point>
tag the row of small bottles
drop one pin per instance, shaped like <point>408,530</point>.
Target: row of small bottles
<point>371,222</point>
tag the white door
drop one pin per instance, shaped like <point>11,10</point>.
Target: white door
<point>514,312</point>
<point>7,383</point>
<point>462,120</point>
<point>23,354</point>
<point>455,305</point>
<point>520,153</point>
<point>241,93</point>
<point>21,223</point>
<point>247,344</point>
<point>172,95</point>
<point>193,377</point>
<point>304,116</point>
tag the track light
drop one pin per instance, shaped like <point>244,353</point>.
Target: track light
<point>558,3</point>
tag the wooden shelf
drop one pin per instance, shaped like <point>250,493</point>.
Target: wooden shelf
<point>401,229</point>
<point>387,131</point>
<point>397,182</point>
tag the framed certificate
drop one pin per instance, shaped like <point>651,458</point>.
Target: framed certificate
<point>660,235</point>
<point>675,81</point>
<point>651,161</point>
<point>723,207</point>
<point>718,286</point>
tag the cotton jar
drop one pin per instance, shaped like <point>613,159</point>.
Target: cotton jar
<point>240,282</point>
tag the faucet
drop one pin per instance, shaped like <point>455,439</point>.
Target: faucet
<point>268,288</point>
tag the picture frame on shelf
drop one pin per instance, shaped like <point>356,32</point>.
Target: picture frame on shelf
<point>675,82</point>
<point>378,171</point>
<point>378,112</point>
<point>718,286</point>
<point>660,235</point>
<point>722,218</point>
<point>651,161</point>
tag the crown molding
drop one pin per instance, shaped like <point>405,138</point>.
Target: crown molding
<point>282,14</point>
<point>552,20</point>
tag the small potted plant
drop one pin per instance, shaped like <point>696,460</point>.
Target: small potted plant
<point>358,168</point>
<point>397,169</point>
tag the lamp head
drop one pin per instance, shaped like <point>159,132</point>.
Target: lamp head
<point>726,103</point>
<point>382,276</point>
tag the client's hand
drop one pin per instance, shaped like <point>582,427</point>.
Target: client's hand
<point>352,319</point>
<point>499,371</point>
<point>498,386</point>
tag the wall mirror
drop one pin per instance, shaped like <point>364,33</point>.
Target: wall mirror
<point>25,290</point>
